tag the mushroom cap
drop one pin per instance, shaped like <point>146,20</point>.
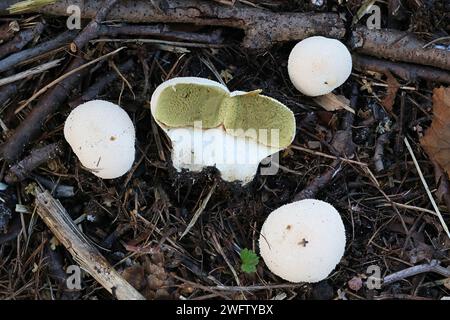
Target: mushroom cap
<point>102,136</point>
<point>303,241</point>
<point>317,65</point>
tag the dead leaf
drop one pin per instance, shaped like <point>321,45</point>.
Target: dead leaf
<point>393,86</point>
<point>332,102</point>
<point>436,141</point>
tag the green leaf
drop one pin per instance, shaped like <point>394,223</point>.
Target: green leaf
<point>249,260</point>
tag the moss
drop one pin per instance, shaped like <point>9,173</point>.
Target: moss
<point>251,115</point>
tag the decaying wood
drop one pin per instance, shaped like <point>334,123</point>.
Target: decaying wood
<point>406,71</point>
<point>262,28</point>
<point>21,40</point>
<point>84,253</point>
<point>398,46</point>
<point>22,169</point>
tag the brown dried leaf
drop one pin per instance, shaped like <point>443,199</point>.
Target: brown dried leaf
<point>393,86</point>
<point>436,141</point>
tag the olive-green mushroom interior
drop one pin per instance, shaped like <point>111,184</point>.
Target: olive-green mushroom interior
<point>251,115</point>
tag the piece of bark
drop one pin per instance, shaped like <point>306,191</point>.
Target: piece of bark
<point>19,57</point>
<point>403,70</point>
<point>262,28</point>
<point>21,40</point>
<point>398,46</point>
<point>80,247</point>
<point>37,157</point>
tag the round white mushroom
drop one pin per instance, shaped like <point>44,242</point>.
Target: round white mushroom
<point>303,241</point>
<point>102,136</point>
<point>318,65</point>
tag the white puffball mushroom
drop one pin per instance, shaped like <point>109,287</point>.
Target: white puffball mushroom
<point>102,136</point>
<point>318,65</point>
<point>303,241</point>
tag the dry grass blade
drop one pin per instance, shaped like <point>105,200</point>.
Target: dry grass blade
<point>200,209</point>
<point>427,189</point>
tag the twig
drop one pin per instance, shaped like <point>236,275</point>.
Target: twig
<point>427,189</point>
<point>382,140</point>
<point>262,28</point>
<point>433,266</point>
<point>100,84</point>
<point>405,71</point>
<point>92,30</point>
<point>31,126</point>
<point>44,47</point>
<point>65,76</point>
<point>398,46</point>
<point>30,72</point>
<point>21,40</point>
<point>90,259</point>
<point>21,170</point>
<point>319,182</point>
<point>160,30</point>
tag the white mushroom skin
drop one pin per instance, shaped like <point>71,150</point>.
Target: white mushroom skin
<point>236,158</point>
<point>318,65</point>
<point>102,136</point>
<point>303,241</point>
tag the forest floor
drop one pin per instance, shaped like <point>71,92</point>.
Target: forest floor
<point>136,221</point>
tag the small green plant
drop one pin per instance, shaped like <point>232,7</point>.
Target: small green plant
<point>249,260</point>
<point>28,5</point>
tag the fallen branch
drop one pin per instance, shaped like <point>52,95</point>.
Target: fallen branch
<point>24,55</point>
<point>403,70</point>
<point>382,140</point>
<point>37,157</point>
<point>84,253</point>
<point>160,30</point>
<point>92,30</point>
<point>21,40</point>
<point>262,28</point>
<point>398,46</point>
<point>433,266</point>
